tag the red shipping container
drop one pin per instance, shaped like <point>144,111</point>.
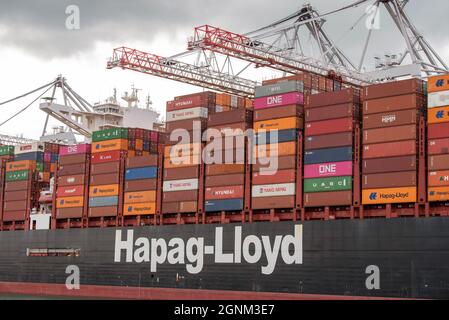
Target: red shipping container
<point>390,119</point>
<point>321,199</point>
<point>281,176</point>
<point>389,149</point>
<point>103,211</point>
<point>225,180</point>
<point>390,134</point>
<point>328,126</point>
<point>107,156</point>
<point>70,191</point>
<point>273,202</point>
<point>390,89</point>
<point>390,104</point>
<point>438,146</point>
<point>66,213</point>
<point>227,192</point>
<point>438,130</point>
<point>439,162</point>
<point>347,110</point>
<point>332,98</point>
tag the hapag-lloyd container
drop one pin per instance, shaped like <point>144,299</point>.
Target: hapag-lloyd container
<point>438,99</point>
<point>279,88</point>
<point>438,178</point>
<point>140,196</point>
<point>390,119</point>
<point>75,149</point>
<point>147,208</point>
<point>438,146</point>
<point>279,100</point>
<point>277,124</point>
<point>328,184</point>
<point>271,190</point>
<point>109,145</point>
<point>332,98</point>
<point>104,190</point>
<point>226,192</point>
<point>389,195</point>
<point>438,194</point>
<point>180,185</point>
<point>438,83</point>
<point>438,115</point>
<point>331,169</point>
<point>185,114</point>
<point>69,202</point>
<point>328,126</point>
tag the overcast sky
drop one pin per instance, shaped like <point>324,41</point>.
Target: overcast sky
<point>36,46</point>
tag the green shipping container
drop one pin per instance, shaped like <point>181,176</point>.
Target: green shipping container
<point>109,134</point>
<point>6,150</point>
<point>328,184</point>
<point>40,166</point>
<point>17,175</point>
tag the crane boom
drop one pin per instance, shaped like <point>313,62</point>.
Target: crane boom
<point>132,59</point>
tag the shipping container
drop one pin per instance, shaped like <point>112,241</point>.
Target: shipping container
<point>275,150</point>
<point>179,207</point>
<point>392,134</point>
<point>439,162</point>
<point>438,115</point>
<point>438,130</point>
<point>322,199</point>
<point>6,150</point>
<point>140,185</point>
<point>72,159</point>
<point>69,213</point>
<point>181,173</point>
<point>390,119</point>
<point>438,83</point>
<point>143,161</point>
<point>186,114</point>
<point>328,184</point>
<point>438,99</point>
<point>141,173</point>
<point>103,157</point>
<point>273,202</point>
<point>331,169</point>
<point>395,88</point>
<point>35,156</point>
<point>332,98</point>
<point>198,124</point>
<point>225,180</point>
<point>109,134</point>
<point>147,208</point>
<point>75,180</point>
<point>104,190</point>
<point>104,168</point>
<point>389,149</point>
<point>103,201</point>
<point>33,147</point>
<point>438,146</point>
<point>391,104</point>
<point>75,149</point>
<point>72,169</point>
<point>328,141</point>
<point>182,150</point>
<point>438,194</point>
<point>179,162</point>
<point>16,185</point>
<point>393,164</point>
<point>139,196</point>
<point>226,192</point>
<point>202,99</point>
<point>328,155</point>
<point>20,165</point>
<point>110,211</point>
<point>220,169</point>
<point>180,185</point>
<point>328,126</point>
<point>229,117</point>
<point>16,195</point>
<point>17,175</point>
<point>281,136</point>
<point>71,191</point>
<point>292,110</point>
<point>278,124</point>
<point>223,205</point>
<point>347,110</point>
<point>177,196</point>
<point>278,100</point>
<point>273,190</point>
<point>438,178</point>
<point>102,179</point>
<point>389,180</point>
<point>69,202</point>
<point>110,145</point>
<point>285,162</point>
<point>389,195</point>
<point>274,177</point>
<point>279,88</point>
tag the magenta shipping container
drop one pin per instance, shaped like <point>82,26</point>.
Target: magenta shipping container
<point>279,100</point>
<point>331,169</point>
<point>75,149</point>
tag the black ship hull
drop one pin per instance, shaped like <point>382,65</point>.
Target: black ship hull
<point>397,258</point>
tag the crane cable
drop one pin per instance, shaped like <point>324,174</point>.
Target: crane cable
<point>19,112</point>
<point>28,93</point>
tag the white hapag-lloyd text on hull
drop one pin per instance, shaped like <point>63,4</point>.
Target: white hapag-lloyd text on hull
<point>285,248</point>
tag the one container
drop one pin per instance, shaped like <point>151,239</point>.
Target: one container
<point>278,100</point>
<point>74,149</point>
<point>330,169</point>
<point>328,184</point>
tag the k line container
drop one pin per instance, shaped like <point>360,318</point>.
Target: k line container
<point>438,178</point>
<point>320,199</point>
<point>328,141</point>
<point>328,184</point>
<point>438,194</point>
<point>273,190</point>
<point>389,149</point>
<point>330,169</point>
<point>390,119</point>
<point>278,100</point>
<point>328,155</point>
<point>394,164</point>
<point>389,180</point>
<point>223,205</point>
<point>328,126</point>
<point>392,134</point>
<point>389,195</point>
<point>103,157</point>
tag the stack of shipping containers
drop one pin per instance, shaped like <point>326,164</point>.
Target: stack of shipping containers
<point>72,185</point>
<point>6,154</point>
<point>109,151</point>
<point>392,132</point>
<point>140,189</point>
<point>183,187</point>
<point>331,149</point>
<point>438,140</point>
<point>227,175</point>
<point>278,121</point>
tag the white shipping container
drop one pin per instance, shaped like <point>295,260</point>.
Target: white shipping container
<point>29,147</point>
<point>438,99</point>
<point>186,114</point>
<point>273,190</point>
<point>180,185</point>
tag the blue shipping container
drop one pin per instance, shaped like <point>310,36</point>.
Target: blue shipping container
<point>37,156</point>
<point>141,173</point>
<point>103,201</point>
<point>54,158</point>
<point>223,205</point>
<point>283,136</point>
<point>328,155</point>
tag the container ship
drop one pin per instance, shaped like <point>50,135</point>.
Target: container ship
<point>322,183</point>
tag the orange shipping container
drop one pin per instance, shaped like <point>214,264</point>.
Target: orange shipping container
<point>182,162</point>
<point>389,195</point>
<point>438,115</point>
<point>283,149</point>
<point>277,124</point>
<point>69,202</point>
<point>438,83</point>
<point>53,167</point>
<point>181,150</point>
<point>438,178</point>
<point>139,144</point>
<point>140,196</point>
<point>20,165</point>
<point>438,194</point>
<point>104,190</point>
<point>109,145</point>
<point>139,209</point>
